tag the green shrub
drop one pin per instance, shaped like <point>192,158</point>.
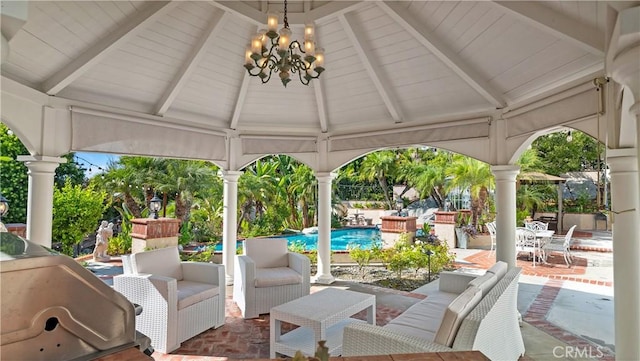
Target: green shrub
<point>119,245</point>
<point>313,256</point>
<point>400,258</point>
<point>297,247</point>
<point>404,256</point>
<point>76,212</point>
<point>441,259</point>
<point>202,256</point>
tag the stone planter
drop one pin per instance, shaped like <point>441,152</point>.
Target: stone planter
<point>482,241</point>
<point>462,238</point>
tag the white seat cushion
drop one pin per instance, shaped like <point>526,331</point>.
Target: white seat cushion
<point>190,293</point>
<point>411,331</point>
<point>455,313</point>
<point>423,319</point>
<point>279,276</point>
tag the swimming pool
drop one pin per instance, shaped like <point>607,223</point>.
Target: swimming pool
<point>340,239</point>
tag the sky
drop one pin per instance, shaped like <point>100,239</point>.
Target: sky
<point>94,161</point>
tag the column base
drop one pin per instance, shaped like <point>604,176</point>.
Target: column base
<point>228,280</point>
<point>323,279</point>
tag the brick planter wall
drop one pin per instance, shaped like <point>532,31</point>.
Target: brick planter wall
<point>148,233</point>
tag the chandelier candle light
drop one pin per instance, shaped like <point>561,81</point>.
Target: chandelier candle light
<point>274,51</point>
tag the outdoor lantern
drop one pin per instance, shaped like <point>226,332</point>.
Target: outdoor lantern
<point>4,206</point>
<point>429,253</point>
<point>154,206</point>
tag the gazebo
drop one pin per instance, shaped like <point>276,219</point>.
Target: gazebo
<point>538,177</point>
<point>484,79</point>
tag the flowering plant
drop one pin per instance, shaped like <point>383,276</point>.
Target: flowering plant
<point>463,222</point>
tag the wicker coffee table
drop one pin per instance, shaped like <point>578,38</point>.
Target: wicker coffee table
<point>321,316</point>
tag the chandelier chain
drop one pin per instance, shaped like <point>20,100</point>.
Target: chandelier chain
<point>285,20</point>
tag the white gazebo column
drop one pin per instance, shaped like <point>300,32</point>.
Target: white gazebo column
<point>626,251</point>
<point>42,170</point>
<point>505,176</point>
<point>324,229</point>
<point>229,221</point>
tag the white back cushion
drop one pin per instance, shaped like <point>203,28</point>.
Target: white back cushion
<point>267,252</point>
<point>485,282</point>
<point>499,269</point>
<point>455,313</point>
<point>159,262</point>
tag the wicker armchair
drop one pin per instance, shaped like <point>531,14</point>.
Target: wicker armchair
<point>268,275</point>
<point>179,299</point>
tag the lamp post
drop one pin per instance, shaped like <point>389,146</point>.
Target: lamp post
<point>154,206</point>
<point>429,254</point>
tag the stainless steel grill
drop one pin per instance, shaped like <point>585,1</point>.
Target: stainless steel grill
<point>55,309</point>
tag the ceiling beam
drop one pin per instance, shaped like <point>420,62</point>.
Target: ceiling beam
<point>580,34</point>
<point>318,89</point>
<point>375,72</point>
<point>242,10</point>
<point>332,10</point>
<point>405,19</point>
<point>215,26</point>
<point>102,48</point>
<point>242,96</point>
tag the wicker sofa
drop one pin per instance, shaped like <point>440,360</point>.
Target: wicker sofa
<point>467,312</point>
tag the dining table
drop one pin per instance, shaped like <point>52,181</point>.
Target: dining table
<point>543,236</point>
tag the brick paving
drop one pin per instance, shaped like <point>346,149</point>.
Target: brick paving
<point>554,269</point>
<point>249,339</point>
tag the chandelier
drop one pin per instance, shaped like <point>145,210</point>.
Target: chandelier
<point>271,51</point>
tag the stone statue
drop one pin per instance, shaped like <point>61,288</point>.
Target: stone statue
<point>104,233</point>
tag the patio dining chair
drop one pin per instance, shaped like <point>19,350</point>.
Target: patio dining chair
<point>536,226</point>
<point>526,241</point>
<point>491,227</point>
<point>563,247</point>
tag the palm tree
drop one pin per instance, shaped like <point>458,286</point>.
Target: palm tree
<point>121,181</point>
<point>256,187</point>
<point>187,180</point>
<point>302,186</point>
<point>380,166</point>
<point>470,173</point>
<point>530,197</point>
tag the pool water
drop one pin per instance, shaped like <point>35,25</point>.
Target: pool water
<point>340,239</point>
